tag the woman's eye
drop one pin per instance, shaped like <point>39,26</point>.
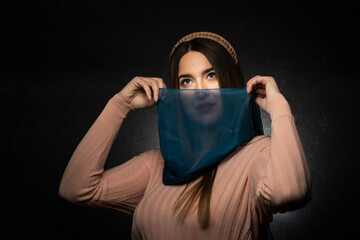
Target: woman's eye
<point>212,75</point>
<point>185,82</point>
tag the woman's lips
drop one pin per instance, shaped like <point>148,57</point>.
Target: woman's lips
<point>205,107</point>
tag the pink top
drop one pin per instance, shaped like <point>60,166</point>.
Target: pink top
<point>268,175</point>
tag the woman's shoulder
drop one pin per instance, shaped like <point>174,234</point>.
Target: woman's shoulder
<point>247,149</point>
<point>259,142</point>
<point>252,148</point>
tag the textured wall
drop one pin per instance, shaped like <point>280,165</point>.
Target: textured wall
<point>65,60</point>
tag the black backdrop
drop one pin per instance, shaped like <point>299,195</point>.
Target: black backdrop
<point>65,59</point>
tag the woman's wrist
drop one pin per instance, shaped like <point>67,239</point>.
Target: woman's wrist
<point>122,106</point>
<point>277,106</point>
<point>115,110</point>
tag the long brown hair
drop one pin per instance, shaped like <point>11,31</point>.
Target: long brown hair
<point>230,76</point>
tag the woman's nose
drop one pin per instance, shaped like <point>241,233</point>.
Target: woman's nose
<point>201,94</point>
<point>201,90</point>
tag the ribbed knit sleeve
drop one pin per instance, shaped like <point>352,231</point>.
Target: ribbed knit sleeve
<point>86,183</point>
<point>281,175</point>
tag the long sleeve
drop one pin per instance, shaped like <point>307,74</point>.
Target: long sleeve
<point>86,183</point>
<point>281,176</point>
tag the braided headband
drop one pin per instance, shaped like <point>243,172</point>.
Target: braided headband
<point>207,35</point>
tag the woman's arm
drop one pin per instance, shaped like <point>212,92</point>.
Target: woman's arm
<point>85,181</point>
<point>281,175</point>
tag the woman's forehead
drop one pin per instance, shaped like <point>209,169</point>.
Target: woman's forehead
<point>193,62</point>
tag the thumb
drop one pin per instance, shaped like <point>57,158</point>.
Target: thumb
<point>261,102</point>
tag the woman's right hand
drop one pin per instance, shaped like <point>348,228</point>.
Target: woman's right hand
<point>137,93</point>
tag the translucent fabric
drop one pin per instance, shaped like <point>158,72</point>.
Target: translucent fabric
<point>199,127</point>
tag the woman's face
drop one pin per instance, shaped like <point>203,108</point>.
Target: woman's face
<point>195,72</point>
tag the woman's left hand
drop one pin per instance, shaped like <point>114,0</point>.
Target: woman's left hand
<point>265,87</point>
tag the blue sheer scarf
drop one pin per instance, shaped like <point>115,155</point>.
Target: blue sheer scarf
<point>199,127</point>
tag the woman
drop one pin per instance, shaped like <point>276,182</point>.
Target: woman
<point>234,199</point>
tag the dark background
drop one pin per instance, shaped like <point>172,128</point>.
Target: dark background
<point>63,60</point>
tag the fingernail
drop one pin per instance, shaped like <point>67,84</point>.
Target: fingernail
<point>156,98</point>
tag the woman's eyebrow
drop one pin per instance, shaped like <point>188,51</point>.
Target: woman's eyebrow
<point>184,76</point>
<point>207,70</point>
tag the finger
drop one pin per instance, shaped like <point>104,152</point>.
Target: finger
<point>161,82</point>
<point>261,102</point>
<point>258,81</point>
<point>145,86</point>
<point>162,85</point>
<point>253,81</point>
<point>261,91</point>
<point>155,88</point>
